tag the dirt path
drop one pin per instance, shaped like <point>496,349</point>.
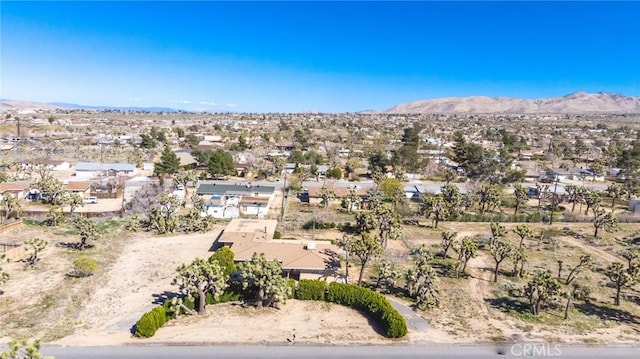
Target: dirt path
<point>494,322</point>
<point>142,273</point>
<point>599,252</point>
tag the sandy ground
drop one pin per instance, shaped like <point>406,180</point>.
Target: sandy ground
<point>145,270</point>
<point>135,281</point>
<point>146,265</point>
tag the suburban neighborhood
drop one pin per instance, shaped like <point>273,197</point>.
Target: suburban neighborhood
<point>429,212</point>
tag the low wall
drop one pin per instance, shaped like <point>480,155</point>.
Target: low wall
<point>12,225</point>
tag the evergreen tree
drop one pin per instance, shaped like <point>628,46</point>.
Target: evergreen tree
<point>169,163</point>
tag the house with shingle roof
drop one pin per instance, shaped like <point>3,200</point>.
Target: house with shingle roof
<point>299,259</point>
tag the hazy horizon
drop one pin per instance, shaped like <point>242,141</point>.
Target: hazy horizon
<point>313,56</point>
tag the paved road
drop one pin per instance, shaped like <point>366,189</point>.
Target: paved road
<point>314,351</point>
<point>415,322</point>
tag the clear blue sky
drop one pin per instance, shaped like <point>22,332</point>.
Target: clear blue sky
<point>313,56</point>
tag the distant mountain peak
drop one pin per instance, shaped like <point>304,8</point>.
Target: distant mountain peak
<point>577,102</point>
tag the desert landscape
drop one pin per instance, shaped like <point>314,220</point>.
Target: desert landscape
<point>335,195</point>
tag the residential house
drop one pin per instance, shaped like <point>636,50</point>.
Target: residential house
<point>186,159</point>
<point>15,189</point>
<point>96,169</point>
<point>81,188</point>
<point>53,165</point>
<point>290,167</point>
<point>344,152</point>
<point>226,200</point>
<point>322,171</point>
<point>299,259</point>
<point>254,206</point>
<point>532,175</point>
<point>559,174</point>
<point>235,190</point>
<point>588,175</point>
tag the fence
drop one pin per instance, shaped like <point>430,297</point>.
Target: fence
<point>12,225</point>
<point>108,195</point>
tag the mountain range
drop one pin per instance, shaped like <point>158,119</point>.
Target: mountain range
<point>31,105</point>
<point>579,102</point>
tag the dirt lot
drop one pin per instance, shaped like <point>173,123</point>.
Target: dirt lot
<point>137,268</point>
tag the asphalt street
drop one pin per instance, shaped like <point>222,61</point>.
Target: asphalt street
<point>480,351</point>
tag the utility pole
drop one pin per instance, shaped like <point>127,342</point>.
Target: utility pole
<point>554,200</point>
<point>284,196</point>
<point>101,161</point>
<point>313,235</point>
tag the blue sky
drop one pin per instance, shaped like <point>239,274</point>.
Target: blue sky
<point>313,56</point>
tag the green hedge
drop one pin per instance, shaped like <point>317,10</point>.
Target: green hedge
<point>227,296</point>
<point>318,225</point>
<point>370,303</point>
<point>292,286</point>
<point>150,322</point>
<point>311,289</point>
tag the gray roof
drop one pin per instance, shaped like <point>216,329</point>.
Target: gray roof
<point>97,166</point>
<point>233,189</point>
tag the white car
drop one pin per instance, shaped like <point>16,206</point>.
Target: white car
<point>91,199</point>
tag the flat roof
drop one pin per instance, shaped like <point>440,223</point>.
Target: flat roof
<point>249,236</point>
<point>236,188</point>
<point>252,226</point>
<point>97,166</point>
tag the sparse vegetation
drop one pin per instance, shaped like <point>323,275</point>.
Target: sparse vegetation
<point>479,274</point>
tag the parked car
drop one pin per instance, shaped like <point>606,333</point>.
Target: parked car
<point>91,199</point>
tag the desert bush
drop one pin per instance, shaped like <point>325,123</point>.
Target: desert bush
<point>292,286</point>
<point>370,303</point>
<point>448,265</point>
<point>318,225</point>
<point>277,235</point>
<point>84,267</point>
<point>311,289</point>
<point>150,322</point>
<point>224,256</point>
<point>225,297</point>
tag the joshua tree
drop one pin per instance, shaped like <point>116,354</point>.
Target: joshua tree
<point>520,194</point>
<point>388,274</point>
<point>592,199</point>
<point>621,277</point>
<point>365,247</point>
<point>468,249</point>
<point>86,229</point>
<point>34,247</point>
<point>520,257</point>
<point>23,349</point>
<point>500,250</point>
<point>74,201</point>
<point>264,278</point>
<point>201,277</point>
<point>606,221</point>
<point>422,281</point>
<point>328,194</point>
<point>498,231</point>
<point>585,262</point>
<point>576,292</point>
<point>540,289</point>
<point>616,191</point>
<point>448,240</point>
<point>523,231</point>
<point>435,208</point>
